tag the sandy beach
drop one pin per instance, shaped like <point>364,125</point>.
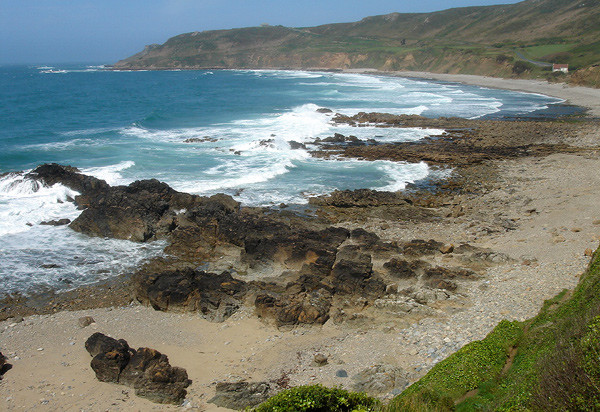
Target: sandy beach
<point>551,200</point>
<point>575,95</point>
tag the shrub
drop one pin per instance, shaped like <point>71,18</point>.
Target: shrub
<point>521,66</point>
<point>318,398</point>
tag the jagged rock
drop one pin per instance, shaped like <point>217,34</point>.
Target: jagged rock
<point>153,378</point>
<point>51,174</point>
<point>59,222</point>
<point>241,395</point>
<point>306,307</point>
<point>419,247</point>
<point>379,379</point>
<point>368,239</point>
<point>110,356</point>
<point>215,296</point>
<point>353,273</point>
<point>405,269</point>
<point>324,110</point>
<point>146,370</point>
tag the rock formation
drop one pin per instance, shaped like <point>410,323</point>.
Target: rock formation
<point>146,370</point>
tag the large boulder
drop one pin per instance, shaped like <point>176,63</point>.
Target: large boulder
<point>146,370</point>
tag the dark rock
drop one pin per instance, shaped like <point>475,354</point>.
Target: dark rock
<point>440,272</point>
<point>153,378</point>
<point>419,247</point>
<point>100,343</point>
<point>324,110</point>
<point>110,356</point>
<point>4,365</point>
<point>297,145</point>
<point>304,307</point>
<point>341,373</point>
<point>404,269</point>
<point>215,296</point>
<point>60,222</point>
<point>146,370</point>
<point>51,174</point>
<point>360,198</point>
<point>353,274</point>
<point>363,237</point>
<point>241,395</point>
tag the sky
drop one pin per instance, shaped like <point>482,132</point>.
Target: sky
<point>105,31</point>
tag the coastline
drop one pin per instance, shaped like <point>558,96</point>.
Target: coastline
<point>576,95</point>
<point>546,250</point>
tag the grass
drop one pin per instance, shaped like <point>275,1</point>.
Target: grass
<point>556,365</point>
<point>540,51</point>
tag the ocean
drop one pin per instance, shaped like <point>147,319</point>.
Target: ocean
<point>202,132</point>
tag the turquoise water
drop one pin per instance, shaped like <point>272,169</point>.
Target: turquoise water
<point>125,126</point>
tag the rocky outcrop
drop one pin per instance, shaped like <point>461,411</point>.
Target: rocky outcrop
<point>214,296</point>
<point>146,370</point>
<point>360,198</point>
<point>241,395</point>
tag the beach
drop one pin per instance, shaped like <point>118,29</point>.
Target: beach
<point>538,214</point>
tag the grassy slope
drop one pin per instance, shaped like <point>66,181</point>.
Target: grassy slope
<point>556,366</point>
<point>478,40</point>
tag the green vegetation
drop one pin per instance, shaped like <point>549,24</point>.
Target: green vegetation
<point>474,40</point>
<point>317,398</point>
<point>551,362</point>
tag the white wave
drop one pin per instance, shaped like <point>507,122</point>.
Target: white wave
<point>399,174</point>
<point>111,173</point>
<point>48,257</point>
<point>25,203</point>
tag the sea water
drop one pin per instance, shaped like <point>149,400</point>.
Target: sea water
<point>202,132</point>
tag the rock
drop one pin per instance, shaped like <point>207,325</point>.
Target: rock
<point>146,370</point>
<point>216,297</point>
<point>320,360</point>
<point>404,269</point>
<point>559,239</point>
<point>85,321</point>
<point>109,356</point>
<point>419,247</point>
<point>360,198</point>
<point>153,378</point>
<point>4,365</point>
<point>305,307</point>
<point>297,145</point>
<point>341,373</point>
<point>379,379</point>
<point>241,395</point>
<point>353,274</point>
<point>445,249</point>
<point>457,211</point>
<point>589,252</point>
<point>324,110</point>
<point>60,222</point>
<point>439,272</point>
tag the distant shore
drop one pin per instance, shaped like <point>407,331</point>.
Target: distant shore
<point>579,96</point>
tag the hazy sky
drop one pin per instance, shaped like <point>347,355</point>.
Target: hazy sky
<point>104,31</point>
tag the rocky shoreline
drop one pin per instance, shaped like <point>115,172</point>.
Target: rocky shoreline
<point>382,284</point>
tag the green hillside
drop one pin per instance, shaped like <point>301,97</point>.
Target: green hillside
<point>477,40</point>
